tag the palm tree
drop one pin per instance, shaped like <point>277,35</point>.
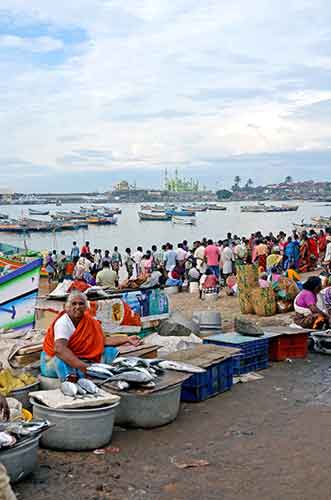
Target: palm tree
<point>250,182</point>
<point>288,179</point>
<point>237,180</point>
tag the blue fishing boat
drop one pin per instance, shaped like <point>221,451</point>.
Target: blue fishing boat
<point>18,296</point>
<point>180,213</point>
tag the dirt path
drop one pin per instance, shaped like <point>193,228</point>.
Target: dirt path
<point>264,439</point>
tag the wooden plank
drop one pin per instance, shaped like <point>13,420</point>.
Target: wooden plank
<point>203,355</point>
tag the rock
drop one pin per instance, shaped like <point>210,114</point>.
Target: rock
<point>247,327</point>
<point>178,326</point>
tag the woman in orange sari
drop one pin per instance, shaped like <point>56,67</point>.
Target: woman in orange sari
<point>75,339</point>
<point>304,259</point>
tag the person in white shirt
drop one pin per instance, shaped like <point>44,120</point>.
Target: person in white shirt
<point>137,256</point>
<point>226,259</point>
<point>199,255</point>
<point>181,254</point>
<point>327,257</point>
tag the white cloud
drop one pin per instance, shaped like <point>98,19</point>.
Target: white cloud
<point>42,44</point>
<point>165,82</point>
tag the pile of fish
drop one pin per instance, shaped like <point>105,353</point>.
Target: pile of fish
<point>14,432</point>
<point>83,388</point>
<point>124,373</point>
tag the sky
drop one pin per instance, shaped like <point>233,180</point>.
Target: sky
<point>95,91</point>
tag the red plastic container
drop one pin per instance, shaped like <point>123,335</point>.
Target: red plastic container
<point>288,346</point>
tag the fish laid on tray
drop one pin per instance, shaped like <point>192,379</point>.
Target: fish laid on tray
<point>13,432</point>
<point>125,373</point>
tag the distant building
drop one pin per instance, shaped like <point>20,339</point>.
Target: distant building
<point>179,184</point>
<point>122,186</point>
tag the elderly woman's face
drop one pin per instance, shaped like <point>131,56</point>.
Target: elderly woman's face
<point>76,308</point>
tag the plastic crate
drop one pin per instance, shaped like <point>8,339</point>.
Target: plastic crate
<point>243,365</point>
<point>288,346</point>
<point>217,379</point>
<point>254,351</point>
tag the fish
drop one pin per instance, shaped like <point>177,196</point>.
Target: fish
<point>88,386</point>
<point>150,385</point>
<point>120,385</point>
<point>101,366</point>
<point>69,389</point>
<point>22,428</point>
<point>80,390</point>
<point>96,371</point>
<point>181,367</point>
<point>6,440</point>
<point>137,377</point>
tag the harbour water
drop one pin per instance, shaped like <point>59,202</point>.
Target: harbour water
<point>131,232</point>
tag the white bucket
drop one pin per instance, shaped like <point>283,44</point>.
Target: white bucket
<point>194,287</point>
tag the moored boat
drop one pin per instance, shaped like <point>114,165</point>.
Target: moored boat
<point>153,216</point>
<point>214,206</point>
<point>184,220</point>
<point>18,296</point>
<point>180,213</point>
<point>101,221</point>
<point>35,211</point>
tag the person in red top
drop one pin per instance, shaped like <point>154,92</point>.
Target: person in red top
<point>75,339</point>
<point>313,247</point>
<point>85,250</point>
<point>212,257</point>
<point>322,244</point>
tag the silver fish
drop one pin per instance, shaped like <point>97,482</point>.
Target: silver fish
<point>100,366</point>
<point>80,390</point>
<point>180,367</point>
<point>22,428</point>
<point>150,385</point>
<point>69,389</point>
<point>6,440</point>
<point>147,372</point>
<point>88,386</point>
<point>98,372</point>
<point>120,385</point>
<point>133,376</point>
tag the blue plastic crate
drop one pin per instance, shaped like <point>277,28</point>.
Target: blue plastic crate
<point>254,351</point>
<point>243,365</point>
<point>218,378</point>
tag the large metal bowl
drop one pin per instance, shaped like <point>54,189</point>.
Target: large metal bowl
<point>22,394</point>
<point>148,410</point>
<point>76,429</point>
<point>22,459</point>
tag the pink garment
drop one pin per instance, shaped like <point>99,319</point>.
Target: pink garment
<point>306,298</point>
<point>264,283</point>
<point>212,253</point>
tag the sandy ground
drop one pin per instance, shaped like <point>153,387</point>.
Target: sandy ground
<point>187,303</point>
<point>264,439</point>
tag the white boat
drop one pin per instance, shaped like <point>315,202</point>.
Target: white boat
<point>191,221</point>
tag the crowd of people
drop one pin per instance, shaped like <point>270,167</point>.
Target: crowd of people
<point>206,261</point>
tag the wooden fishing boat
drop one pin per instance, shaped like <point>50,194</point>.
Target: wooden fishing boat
<point>214,206</point>
<point>18,296</point>
<point>4,216</point>
<point>102,221</point>
<point>184,220</point>
<point>14,257</point>
<point>153,216</point>
<point>262,208</point>
<point>180,213</point>
<point>35,211</point>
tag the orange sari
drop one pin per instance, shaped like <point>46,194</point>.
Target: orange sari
<point>87,341</point>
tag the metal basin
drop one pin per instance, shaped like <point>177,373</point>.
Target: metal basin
<point>171,290</point>
<point>78,429</point>
<point>22,394</point>
<point>149,410</point>
<point>21,460</point>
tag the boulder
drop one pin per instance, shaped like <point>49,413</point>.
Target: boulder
<point>178,326</point>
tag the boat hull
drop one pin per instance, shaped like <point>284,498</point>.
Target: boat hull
<point>18,296</point>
